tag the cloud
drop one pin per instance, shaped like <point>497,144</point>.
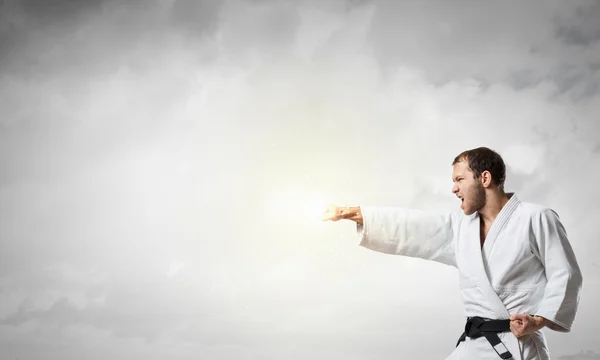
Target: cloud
<point>140,140</point>
<point>582,29</point>
<point>197,17</point>
<point>109,305</point>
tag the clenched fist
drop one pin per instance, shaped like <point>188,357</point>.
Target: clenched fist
<point>335,213</point>
<point>332,213</point>
<point>524,324</point>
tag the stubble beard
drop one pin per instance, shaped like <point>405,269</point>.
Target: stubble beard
<point>478,197</point>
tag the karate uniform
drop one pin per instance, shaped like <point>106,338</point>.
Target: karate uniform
<point>526,266</point>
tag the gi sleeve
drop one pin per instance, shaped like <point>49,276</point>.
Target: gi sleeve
<point>564,279</point>
<point>409,232</point>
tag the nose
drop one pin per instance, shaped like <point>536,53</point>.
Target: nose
<point>455,189</point>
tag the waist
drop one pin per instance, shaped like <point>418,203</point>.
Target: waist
<point>477,326</point>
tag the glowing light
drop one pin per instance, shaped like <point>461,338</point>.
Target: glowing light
<point>298,205</point>
<point>314,207</point>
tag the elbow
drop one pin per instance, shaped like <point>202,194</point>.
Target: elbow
<point>569,275</point>
<point>574,286</point>
<point>575,278</point>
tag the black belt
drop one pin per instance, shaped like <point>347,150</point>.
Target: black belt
<point>477,327</point>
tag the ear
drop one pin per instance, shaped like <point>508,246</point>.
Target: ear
<point>486,179</point>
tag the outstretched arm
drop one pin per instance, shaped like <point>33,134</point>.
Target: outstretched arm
<point>401,231</point>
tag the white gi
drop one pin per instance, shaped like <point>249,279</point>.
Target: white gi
<point>526,266</point>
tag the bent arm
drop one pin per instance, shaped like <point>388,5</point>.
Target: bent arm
<point>564,279</point>
<point>409,232</point>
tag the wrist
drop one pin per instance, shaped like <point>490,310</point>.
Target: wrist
<point>352,213</point>
<point>540,321</point>
<point>348,213</point>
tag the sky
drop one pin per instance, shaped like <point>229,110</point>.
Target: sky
<point>164,163</point>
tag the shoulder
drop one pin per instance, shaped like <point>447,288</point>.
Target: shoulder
<point>541,219</point>
<point>536,211</point>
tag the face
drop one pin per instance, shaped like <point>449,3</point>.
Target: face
<point>467,188</point>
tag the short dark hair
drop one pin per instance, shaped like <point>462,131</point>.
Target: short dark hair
<point>481,159</point>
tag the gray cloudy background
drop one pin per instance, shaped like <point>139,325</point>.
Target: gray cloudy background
<point>157,158</point>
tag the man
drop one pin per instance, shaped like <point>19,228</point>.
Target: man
<point>517,270</point>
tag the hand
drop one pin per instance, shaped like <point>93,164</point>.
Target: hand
<point>332,213</point>
<point>524,324</point>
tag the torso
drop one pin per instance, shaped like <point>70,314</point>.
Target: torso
<point>506,268</point>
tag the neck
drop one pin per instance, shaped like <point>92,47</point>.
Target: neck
<point>496,199</point>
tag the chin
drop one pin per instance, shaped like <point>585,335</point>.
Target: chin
<point>469,211</point>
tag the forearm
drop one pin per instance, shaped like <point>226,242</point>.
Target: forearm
<point>352,213</point>
<point>543,322</point>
